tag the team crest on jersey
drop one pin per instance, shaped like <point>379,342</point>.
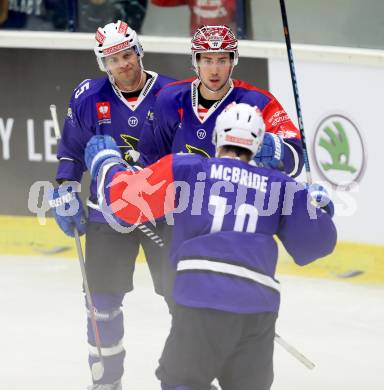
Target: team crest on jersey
<point>201,134</point>
<point>103,112</point>
<point>70,116</point>
<point>129,150</point>
<point>133,121</point>
<point>194,150</point>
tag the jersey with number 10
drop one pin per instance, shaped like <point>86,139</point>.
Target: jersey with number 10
<point>225,213</point>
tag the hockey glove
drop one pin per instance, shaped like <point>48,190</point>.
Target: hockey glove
<point>99,149</point>
<point>68,209</point>
<point>271,153</point>
<point>320,198</point>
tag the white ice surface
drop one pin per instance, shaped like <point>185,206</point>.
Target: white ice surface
<point>338,325</point>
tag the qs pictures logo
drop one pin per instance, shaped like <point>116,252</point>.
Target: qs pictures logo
<point>339,150</point>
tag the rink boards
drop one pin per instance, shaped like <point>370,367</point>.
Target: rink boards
<point>340,92</point>
<point>350,261</point>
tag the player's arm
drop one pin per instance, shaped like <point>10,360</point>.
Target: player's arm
<point>66,205</point>
<point>282,140</point>
<point>306,229</point>
<point>75,135</point>
<point>132,194</point>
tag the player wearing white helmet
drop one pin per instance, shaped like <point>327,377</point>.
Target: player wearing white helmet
<point>117,106</point>
<point>226,212</point>
<point>239,126</point>
<point>185,112</point>
<point>119,53</point>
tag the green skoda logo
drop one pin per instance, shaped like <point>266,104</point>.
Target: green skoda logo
<point>339,150</point>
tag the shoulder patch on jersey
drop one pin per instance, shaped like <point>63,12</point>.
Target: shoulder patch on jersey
<point>69,113</point>
<point>70,117</point>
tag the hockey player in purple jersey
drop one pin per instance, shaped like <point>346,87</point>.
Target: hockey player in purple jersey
<point>185,112</point>
<point>226,212</point>
<point>116,105</point>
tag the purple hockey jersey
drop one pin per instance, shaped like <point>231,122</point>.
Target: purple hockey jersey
<point>175,124</point>
<point>226,213</point>
<point>97,107</point>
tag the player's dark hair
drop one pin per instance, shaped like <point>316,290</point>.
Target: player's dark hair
<point>239,151</point>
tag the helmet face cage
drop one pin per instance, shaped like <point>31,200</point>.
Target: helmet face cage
<point>214,39</point>
<point>113,38</point>
<point>239,125</point>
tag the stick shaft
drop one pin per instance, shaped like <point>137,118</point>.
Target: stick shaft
<point>241,19</point>
<point>56,126</point>
<point>294,352</point>
<point>295,90</point>
<point>88,296</point>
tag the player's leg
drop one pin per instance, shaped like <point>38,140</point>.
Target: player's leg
<point>110,262</point>
<point>158,262</point>
<point>250,367</point>
<point>198,345</point>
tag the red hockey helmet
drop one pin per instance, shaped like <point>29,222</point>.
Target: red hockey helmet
<point>214,39</point>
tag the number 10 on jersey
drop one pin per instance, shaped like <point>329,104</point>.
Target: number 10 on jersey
<point>221,209</point>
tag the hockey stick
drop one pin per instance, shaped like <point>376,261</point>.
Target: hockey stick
<point>147,231</point>
<point>72,15</point>
<point>56,127</point>
<point>289,348</point>
<point>241,25</point>
<point>98,367</point>
<point>294,352</point>
<point>295,90</point>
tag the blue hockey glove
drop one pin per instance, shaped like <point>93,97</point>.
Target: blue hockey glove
<point>99,149</point>
<point>271,153</point>
<point>68,209</point>
<point>321,198</point>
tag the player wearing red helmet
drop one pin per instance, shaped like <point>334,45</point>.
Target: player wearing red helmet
<point>184,114</point>
<point>214,55</point>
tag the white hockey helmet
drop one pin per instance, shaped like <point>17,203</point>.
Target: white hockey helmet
<point>214,39</point>
<point>239,125</point>
<point>113,38</point>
